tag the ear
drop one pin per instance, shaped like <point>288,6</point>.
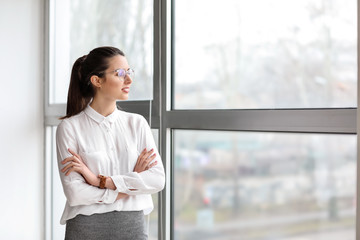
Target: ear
<point>96,81</point>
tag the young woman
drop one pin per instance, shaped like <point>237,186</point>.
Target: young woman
<point>107,158</point>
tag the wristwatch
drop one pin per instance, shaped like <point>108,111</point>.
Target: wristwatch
<point>102,181</point>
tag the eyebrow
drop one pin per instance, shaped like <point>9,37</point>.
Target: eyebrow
<point>122,68</point>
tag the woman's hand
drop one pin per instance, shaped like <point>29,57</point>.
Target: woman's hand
<point>76,164</point>
<point>121,195</point>
<point>143,161</point>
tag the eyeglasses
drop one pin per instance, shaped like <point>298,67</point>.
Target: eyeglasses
<point>121,73</point>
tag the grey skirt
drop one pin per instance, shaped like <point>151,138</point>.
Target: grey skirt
<point>107,226</point>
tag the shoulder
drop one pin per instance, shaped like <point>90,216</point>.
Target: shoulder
<point>68,124</point>
<point>134,121</point>
<point>64,128</point>
<point>133,117</point>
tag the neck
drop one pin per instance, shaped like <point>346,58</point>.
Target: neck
<point>103,107</point>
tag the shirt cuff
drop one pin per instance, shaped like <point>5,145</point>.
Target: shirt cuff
<point>120,184</point>
<point>109,196</point>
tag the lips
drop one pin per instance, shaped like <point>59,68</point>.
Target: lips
<point>126,89</point>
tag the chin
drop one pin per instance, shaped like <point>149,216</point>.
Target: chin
<point>123,98</point>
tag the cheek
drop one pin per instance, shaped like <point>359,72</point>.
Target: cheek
<point>112,88</point>
<point>115,84</point>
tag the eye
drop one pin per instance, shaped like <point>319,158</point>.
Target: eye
<point>121,72</point>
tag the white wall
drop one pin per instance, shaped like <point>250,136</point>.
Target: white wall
<point>21,120</point>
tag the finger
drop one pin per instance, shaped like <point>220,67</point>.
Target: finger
<point>74,168</point>
<point>142,153</point>
<point>122,195</point>
<point>76,159</point>
<point>66,167</point>
<point>149,159</point>
<point>153,164</point>
<point>139,158</point>
<point>68,172</point>
<point>146,155</point>
<point>66,160</point>
<point>136,164</point>
<point>70,165</point>
<point>142,160</point>
<point>73,153</point>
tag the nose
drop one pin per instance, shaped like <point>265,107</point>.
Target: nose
<point>128,79</point>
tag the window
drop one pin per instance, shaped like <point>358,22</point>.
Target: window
<point>262,80</point>
<point>264,54</point>
<point>263,185</point>
<point>254,102</point>
<point>78,26</point>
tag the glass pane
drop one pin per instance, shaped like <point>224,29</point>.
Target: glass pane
<point>265,54</point>
<point>264,186</point>
<point>154,219</point>
<point>55,198</point>
<point>58,197</point>
<point>78,26</point>
<point>154,216</point>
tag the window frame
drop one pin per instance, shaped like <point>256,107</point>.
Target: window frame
<point>166,119</point>
<point>296,120</point>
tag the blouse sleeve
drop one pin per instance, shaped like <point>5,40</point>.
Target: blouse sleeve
<point>149,181</point>
<point>76,190</point>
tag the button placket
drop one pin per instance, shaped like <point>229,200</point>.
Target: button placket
<point>111,140</point>
<point>108,137</point>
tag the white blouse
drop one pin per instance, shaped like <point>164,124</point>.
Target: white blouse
<point>109,146</point>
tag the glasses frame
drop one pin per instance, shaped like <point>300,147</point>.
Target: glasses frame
<point>129,72</point>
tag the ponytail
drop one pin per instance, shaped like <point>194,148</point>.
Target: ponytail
<point>81,90</point>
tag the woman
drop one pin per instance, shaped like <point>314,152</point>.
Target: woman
<point>107,158</point>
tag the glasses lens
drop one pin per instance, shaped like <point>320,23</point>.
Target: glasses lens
<point>121,72</point>
<point>131,73</point>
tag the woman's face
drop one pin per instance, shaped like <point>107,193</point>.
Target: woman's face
<point>114,87</point>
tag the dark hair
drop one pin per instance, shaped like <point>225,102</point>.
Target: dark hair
<point>81,90</point>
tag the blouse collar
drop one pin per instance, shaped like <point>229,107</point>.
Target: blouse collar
<point>100,118</point>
